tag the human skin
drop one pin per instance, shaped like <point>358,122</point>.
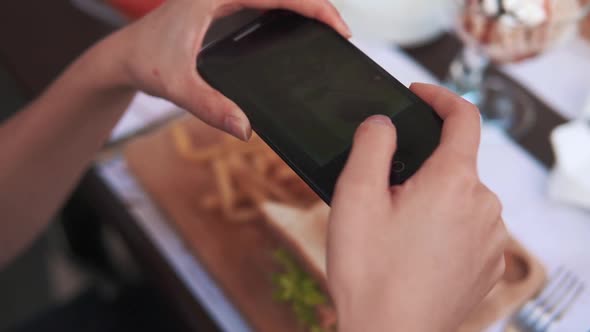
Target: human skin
<point>418,256</point>
<point>47,146</point>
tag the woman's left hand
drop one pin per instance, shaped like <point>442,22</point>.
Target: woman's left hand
<point>159,54</point>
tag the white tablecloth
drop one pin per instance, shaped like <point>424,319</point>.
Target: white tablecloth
<point>558,235</point>
<point>561,77</point>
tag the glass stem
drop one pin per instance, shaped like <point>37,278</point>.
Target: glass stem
<point>466,74</point>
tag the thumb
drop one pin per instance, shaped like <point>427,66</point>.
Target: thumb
<point>369,164</point>
<point>213,108</point>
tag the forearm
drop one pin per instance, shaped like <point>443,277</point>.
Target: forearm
<point>48,145</point>
<point>382,314</point>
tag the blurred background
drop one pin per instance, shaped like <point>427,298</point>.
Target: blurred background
<point>111,262</point>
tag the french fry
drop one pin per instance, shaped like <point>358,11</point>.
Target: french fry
<point>260,164</point>
<point>243,215</point>
<point>246,175</point>
<point>181,140</point>
<point>284,173</point>
<point>211,202</point>
<point>280,193</point>
<point>224,185</point>
<point>256,194</point>
<point>185,147</point>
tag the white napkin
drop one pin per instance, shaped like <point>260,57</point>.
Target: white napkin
<point>570,180</point>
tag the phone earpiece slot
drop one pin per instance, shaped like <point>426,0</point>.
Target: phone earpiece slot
<point>247,32</point>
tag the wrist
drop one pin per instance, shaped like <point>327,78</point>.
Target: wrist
<point>106,64</point>
<point>376,316</point>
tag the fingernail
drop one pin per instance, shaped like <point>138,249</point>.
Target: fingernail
<point>238,127</point>
<point>381,120</point>
<point>347,30</point>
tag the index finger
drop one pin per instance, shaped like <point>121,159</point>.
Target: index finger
<point>321,10</point>
<point>461,132</point>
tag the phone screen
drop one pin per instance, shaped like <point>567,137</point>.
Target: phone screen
<point>309,90</point>
<point>306,89</point>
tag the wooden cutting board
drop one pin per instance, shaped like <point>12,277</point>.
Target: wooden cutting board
<point>237,256</point>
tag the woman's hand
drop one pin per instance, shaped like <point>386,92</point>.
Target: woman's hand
<point>47,146</point>
<point>420,256</point>
<point>160,52</point>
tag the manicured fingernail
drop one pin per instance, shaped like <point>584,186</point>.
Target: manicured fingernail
<point>381,120</point>
<point>347,30</point>
<point>238,127</point>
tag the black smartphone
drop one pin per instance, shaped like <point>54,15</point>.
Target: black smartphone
<point>306,89</point>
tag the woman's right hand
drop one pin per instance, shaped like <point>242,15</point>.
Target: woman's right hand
<point>420,256</point>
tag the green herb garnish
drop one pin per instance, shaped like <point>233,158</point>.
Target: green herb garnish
<point>297,288</point>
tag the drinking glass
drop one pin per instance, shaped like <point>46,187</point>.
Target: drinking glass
<point>488,41</point>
